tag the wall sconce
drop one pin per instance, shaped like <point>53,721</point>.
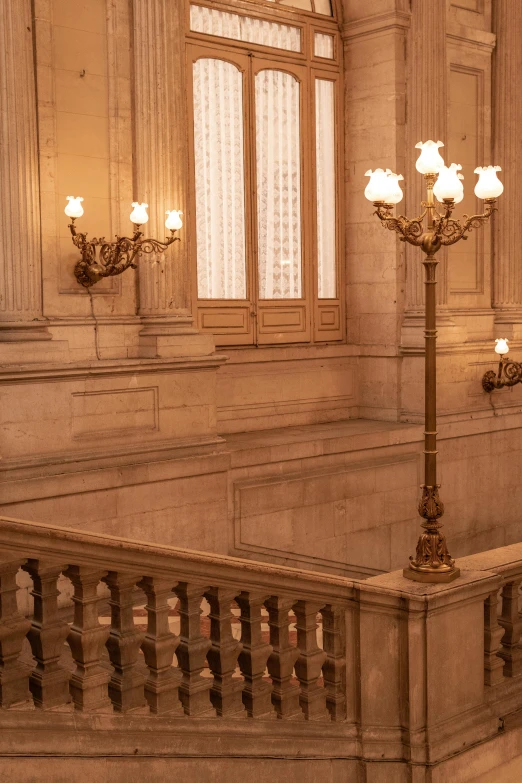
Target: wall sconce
<point>114,258</point>
<point>509,372</point>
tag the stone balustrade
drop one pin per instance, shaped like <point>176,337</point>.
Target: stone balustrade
<point>502,626</point>
<point>239,630</point>
<point>112,648</point>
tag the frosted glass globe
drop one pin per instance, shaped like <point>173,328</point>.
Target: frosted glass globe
<point>430,160</point>
<point>449,183</point>
<point>488,185</point>
<point>501,346</point>
<point>74,207</point>
<point>395,193</point>
<point>378,187</point>
<point>139,214</point>
<point>173,221</point>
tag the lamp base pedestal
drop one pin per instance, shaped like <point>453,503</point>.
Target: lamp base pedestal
<point>433,577</point>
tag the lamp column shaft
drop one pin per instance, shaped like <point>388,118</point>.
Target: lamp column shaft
<point>432,562</point>
<point>20,251</point>
<point>430,375</point>
<point>430,363</point>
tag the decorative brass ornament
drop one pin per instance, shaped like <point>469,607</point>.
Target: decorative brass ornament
<point>509,374</point>
<point>432,562</point>
<point>113,257</point>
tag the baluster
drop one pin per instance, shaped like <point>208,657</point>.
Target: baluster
<point>493,632</point>
<point>511,622</point>
<point>159,646</point>
<point>49,682</point>
<point>88,684</point>
<point>226,691</point>
<point>14,675</point>
<point>126,686</point>
<point>285,695</point>
<point>309,664</point>
<point>334,668</point>
<point>253,657</point>
<point>194,689</point>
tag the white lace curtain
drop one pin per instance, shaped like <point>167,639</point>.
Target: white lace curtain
<point>278,156</point>
<point>220,180</point>
<point>244,28</point>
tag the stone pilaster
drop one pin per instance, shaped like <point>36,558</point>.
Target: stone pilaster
<point>161,161</point>
<point>427,101</point>
<point>20,252</point>
<point>507,114</point>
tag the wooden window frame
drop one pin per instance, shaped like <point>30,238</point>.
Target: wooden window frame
<point>254,321</point>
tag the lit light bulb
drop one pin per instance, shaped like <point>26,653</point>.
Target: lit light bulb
<point>74,207</point>
<point>395,193</point>
<point>449,183</point>
<point>139,215</point>
<point>378,187</point>
<point>488,185</point>
<point>173,221</point>
<point>430,160</point>
<point>501,346</point>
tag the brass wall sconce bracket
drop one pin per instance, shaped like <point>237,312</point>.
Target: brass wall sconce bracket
<point>509,374</point>
<point>106,259</point>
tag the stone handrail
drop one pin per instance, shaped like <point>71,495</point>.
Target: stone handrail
<point>381,671</point>
<point>266,598</point>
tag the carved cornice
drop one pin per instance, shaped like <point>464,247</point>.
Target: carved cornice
<point>372,25</point>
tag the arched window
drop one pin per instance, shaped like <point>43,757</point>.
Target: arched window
<point>266,160</point>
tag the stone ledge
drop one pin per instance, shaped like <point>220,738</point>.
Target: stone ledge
<point>20,373</point>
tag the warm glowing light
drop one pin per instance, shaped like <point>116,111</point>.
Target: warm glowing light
<point>74,207</point>
<point>488,185</point>
<point>173,221</point>
<point>449,183</point>
<point>139,214</point>
<point>395,193</point>
<point>430,160</point>
<point>501,346</point>
<point>378,187</point>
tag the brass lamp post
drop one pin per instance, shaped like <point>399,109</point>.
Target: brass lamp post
<point>430,231</point>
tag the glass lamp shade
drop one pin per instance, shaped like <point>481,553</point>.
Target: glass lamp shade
<point>139,215</point>
<point>430,160</point>
<point>488,185</point>
<point>378,187</point>
<point>501,346</point>
<point>173,221</point>
<point>395,193</point>
<point>74,207</point>
<point>449,183</point>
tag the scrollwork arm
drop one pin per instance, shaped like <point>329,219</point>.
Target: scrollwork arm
<point>409,230</point>
<point>114,257</point>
